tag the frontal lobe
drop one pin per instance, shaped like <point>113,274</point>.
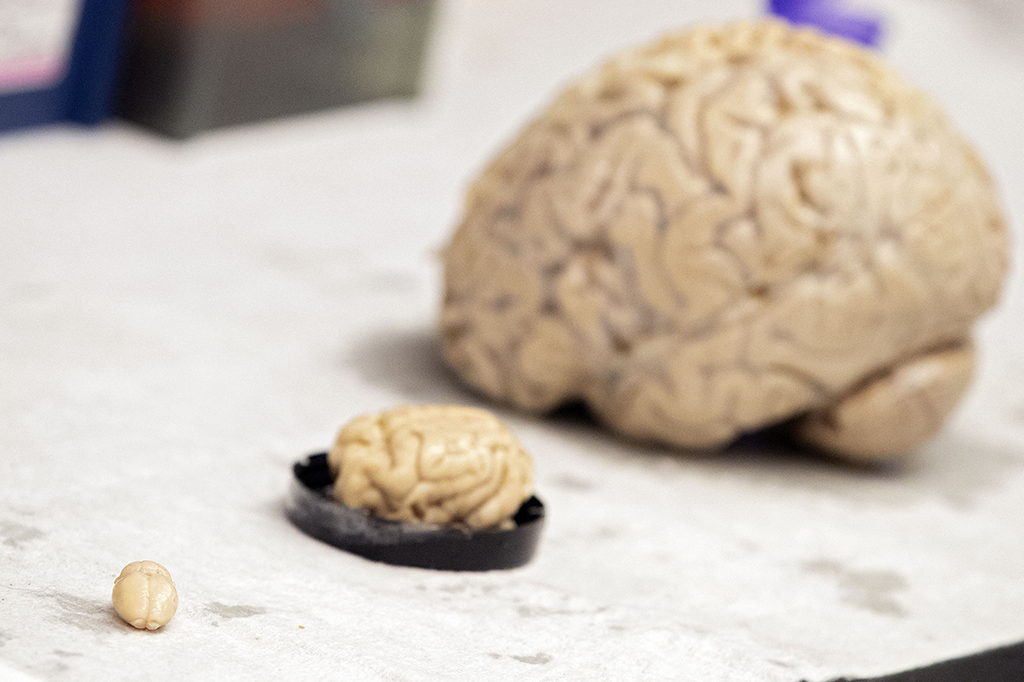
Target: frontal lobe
<point>720,231</point>
<point>438,464</point>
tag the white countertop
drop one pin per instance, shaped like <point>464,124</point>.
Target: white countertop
<point>180,322</point>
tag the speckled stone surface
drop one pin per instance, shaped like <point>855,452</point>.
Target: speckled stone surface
<point>179,323</point>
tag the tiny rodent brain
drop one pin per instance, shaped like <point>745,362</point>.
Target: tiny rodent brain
<point>145,596</point>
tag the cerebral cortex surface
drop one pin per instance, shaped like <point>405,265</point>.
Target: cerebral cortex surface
<point>728,229</point>
<point>441,464</point>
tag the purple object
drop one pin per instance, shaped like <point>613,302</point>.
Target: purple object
<point>830,16</point>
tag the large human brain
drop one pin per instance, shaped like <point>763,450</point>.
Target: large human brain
<point>441,464</point>
<point>731,228</point>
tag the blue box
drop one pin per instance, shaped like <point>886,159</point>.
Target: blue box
<point>64,80</point>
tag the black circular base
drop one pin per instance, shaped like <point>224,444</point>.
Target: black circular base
<point>312,508</point>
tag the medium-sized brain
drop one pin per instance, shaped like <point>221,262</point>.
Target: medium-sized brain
<point>438,464</point>
<point>731,228</point>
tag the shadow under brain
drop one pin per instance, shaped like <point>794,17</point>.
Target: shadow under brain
<point>410,362</point>
<point>958,467</point>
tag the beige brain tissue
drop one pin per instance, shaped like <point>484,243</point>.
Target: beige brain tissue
<point>728,229</point>
<point>145,596</point>
<point>434,464</point>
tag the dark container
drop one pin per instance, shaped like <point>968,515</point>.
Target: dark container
<point>312,508</point>
<point>194,65</point>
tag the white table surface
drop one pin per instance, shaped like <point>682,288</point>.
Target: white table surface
<point>181,322</point>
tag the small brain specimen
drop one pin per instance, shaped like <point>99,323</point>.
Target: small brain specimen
<point>436,464</point>
<point>144,595</point>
